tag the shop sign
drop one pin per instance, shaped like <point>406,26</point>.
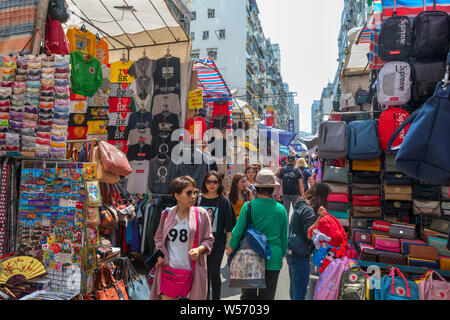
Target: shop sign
<point>195,99</point>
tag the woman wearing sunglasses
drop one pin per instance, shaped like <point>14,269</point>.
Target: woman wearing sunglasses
<point>223,220</point>
<point>251,173</point>
<point>184,237</point>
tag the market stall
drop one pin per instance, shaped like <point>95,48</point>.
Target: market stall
<point>397,223</point>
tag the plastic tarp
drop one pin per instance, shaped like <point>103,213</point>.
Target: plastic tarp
<point>152,24</point>
<point>285,137</point>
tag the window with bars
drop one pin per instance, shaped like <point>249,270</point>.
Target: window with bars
<point>211,13</point>
<point>222,34</point>
<point>194,16</point>
<point>205,35</point>
<point>212,53</point>
<point>195,54</point>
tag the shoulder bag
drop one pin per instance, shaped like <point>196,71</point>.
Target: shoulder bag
<point>108,288</point>
<point>177,283</point>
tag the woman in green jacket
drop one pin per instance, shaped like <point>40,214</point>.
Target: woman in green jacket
<point>269,217</point>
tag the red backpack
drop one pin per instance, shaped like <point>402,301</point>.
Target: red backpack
<point>389,121</point>
<point>331,227</point>
<point>55,39</point>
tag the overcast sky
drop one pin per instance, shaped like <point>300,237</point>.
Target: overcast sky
<point>307,32</point>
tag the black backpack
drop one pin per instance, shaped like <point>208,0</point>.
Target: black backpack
<point>430,34</point>
<point>395,40</point>
<point>290,181</point>
<point>425,77</point>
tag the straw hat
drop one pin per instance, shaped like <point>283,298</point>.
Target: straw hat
<point>265,179</point>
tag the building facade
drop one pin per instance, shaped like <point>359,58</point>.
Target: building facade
<point>230,32</point>
<point>316,117</point>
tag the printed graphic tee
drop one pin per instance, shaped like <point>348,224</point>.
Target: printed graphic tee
<point>196,127</point>
<point>137,181</point>
<point>161,173</point>
<point>83,41</point>
<point>178,245</point>
<point>119,119</point>
<point>119,72</point>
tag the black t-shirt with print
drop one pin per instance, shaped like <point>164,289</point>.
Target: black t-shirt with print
<point>117,133</point>
<point>140,152</point>
<point>164,124</point>
<point>224,218</point>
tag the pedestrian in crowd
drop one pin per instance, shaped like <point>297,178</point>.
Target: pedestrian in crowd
<point>270,218</point>
<point>291,183</point>
<point>308,180</point>
<point>175,238</point>
<point>239,193</point>
<point>308,210</point>
<point>223,220</point>
<point>250,173</point>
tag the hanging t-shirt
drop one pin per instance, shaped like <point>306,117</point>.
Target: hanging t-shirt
<point>117,133</point>
<point>163,125</point>
<point>142,105</point>
<point>137,181</point>
<point>119,72</point>
<point>120,90</point>
<point>97,113</point>
<point>221,215</point>
<point>140,120</point>
<point>120,144</point>
<point>167,102</point>
<point>97,127</point>
<point>178,245</point>
<point>120,104</point>
<point>106,72</point>
<point>221,114</point>
<point>77,120</point>
<point>140,135</point>
<point>102,51</point>
<point>86,76</point>
<point>196,127</point>
<point>139,151</point>
<point>83,41</point>
<point>142,71</point>
<point>78,106</point>
<point>119,119</point>
<point>161,172</point>
<point>98,100</point>
<point>167,75</point>
<point>161,145</point>
<point>77,133</point>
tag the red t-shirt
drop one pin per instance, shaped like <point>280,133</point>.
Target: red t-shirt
<point>196,127</point>
<point>119,104</point>
<point>220,114</point>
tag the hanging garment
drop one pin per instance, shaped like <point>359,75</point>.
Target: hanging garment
<point>4,208</point>
<point>102,53</point>
<point>142,71</point>
<point>83,41</point>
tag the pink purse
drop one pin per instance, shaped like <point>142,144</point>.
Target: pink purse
<point>387,244</point>
<point>177,283</point>
<point>430,289</point>
<point>338,197</point>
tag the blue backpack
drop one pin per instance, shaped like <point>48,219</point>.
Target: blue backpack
<point>394,287</point>
<point>363,140</point>
<point>424,153</point>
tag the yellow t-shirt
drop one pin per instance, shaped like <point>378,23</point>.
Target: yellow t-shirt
<point>86,42</point>
<point>119,72</point>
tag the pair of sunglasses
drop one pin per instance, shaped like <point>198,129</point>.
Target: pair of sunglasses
<point>212,182</point>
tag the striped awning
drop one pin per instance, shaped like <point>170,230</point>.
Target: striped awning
<point>384,9</point>
<point>211,81</point>
<point>366,34</point>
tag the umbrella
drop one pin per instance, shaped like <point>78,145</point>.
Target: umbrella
<point>248,145</point>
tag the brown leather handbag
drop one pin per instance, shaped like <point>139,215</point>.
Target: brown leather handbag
<point>366,212</point>
<point>114,160</point>
<point>423,252</point>
<point>108,288</point>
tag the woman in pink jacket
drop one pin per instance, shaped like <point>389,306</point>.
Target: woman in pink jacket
<point>175,238</point>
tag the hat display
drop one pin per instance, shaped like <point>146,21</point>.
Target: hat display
<point>265,178</point>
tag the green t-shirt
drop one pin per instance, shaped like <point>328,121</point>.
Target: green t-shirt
<point>270,218</point>
<point>86,76</point>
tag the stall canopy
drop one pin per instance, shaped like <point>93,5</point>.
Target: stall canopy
<point>211,81</point>
<point>131,26</point>
<point>285,136</point>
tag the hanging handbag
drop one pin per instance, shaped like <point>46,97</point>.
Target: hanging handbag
<point>108,288</point>
<point>440,225</point>
<point>389,163</point>
<point>135,284</point>
<point>366,201</point>
<point>366,212</point>
<point>177,283</point>
<point>367,165</point>
<point>338,187</point>
<point>430,208</point>
<point>397,179</point>
<point>366,189</point>
<point>418,157</point>
<point>430,289</point>
<point>366,177</point>
<point>335,174</point>
<point>427,192</point>
<point>114,160</point>
<point>103,175</point>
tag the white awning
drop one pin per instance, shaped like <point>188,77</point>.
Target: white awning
<point>133,25</point>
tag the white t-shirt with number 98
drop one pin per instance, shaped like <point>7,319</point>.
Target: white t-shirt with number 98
<point>178,245</point>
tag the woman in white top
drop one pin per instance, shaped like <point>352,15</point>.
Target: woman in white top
<point>175,238</point>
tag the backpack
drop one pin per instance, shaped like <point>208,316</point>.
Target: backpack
<point>354,285</point>
<point>430,34</point>
<point>423,154</point>
<point>328,284</point>
<point>290,180</point>
<point>55,38</point>
<point>394,287</point>
<point>247,261</point>
<point>362,96</point>
<point>390,120</point>
<point>58,11</point>
<point>363,140</point>
<point>394,84</point>
<point>425,78</point>
<point>331,227</point>
<point>332,140</point>
<point>395,39</point>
